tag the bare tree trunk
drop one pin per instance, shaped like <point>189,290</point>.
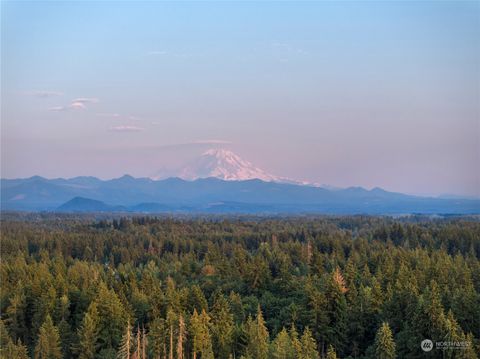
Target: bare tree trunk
<point>181,335</point>
<point>138,341</point>
<point>144,344</point>
<point>128,340</point>
<point>171,342</point>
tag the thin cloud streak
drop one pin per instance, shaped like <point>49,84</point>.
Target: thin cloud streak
<point>126,128</point>
<point>76,104</point>
<point>119,116</point>
<point>212,142</point>
<point>73,106</point>
<point>195,143</point>
<point>57,108</point>
<point>86,100</point>
<point>111,115</point>
<point>43,94</point>
<point>134,118</point>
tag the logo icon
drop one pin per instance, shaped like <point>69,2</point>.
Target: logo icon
<point>426,345</point>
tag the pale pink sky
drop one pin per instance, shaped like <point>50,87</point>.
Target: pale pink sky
<point>369,93</point>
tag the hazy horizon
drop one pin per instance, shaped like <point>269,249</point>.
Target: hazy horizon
<point>346,94</point>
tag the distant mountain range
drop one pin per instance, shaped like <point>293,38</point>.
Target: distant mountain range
<point>218,181</point>
<point>213,195</point>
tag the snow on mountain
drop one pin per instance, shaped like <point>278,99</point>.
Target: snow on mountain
<point>220,163</point>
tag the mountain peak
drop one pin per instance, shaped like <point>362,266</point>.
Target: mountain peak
<point>219,153</point>
<point>222,164</point>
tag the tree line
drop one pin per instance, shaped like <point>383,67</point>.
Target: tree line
<point>258,288</point>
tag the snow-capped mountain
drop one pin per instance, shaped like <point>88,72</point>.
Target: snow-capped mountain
<point>220,163</point>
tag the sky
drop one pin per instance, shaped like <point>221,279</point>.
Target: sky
<point>342,93</point>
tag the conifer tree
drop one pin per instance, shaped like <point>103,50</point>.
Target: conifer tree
<point>127,343</point>
<point>196,300</point>
<point>172,296</point>
<point>200,335</point>
<point>14,351</point>
<point>296,344</point>
<point>66,335</point>
<point>15,314</point>
<point>235,302</point>
<point>44,304</point>
<point>339,280</point>
<point>435,311</point>
<point>158,338</point>
<point>336,311</point>
<point>331,354</point>
<point>308,346</point>
<point>48,343</point>
<point>281,347</point>
<point>222,327</point>
<point>88,334</point>
<point>196,333</point>
<point>112,318</point>
<point>257,337</point>
<point>384,343</point>
<point>8,349</point>
<point>429,320</point>
<point>453,331</point>
<point>455,334</point>
<point>469,352</point>
<point>4,335</point>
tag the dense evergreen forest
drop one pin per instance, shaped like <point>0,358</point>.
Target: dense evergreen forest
<point>258,288</point>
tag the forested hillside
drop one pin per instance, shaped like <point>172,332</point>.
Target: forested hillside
<point>358,287</point>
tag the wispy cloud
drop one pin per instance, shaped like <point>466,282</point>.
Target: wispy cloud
<point>57,108</point>
<point>134,118</point>
<point>126,128</point>
<point>76,104</point>
<point>110,115</point>
<point>195,144</point>
<point>73,106</point>
<point>116,115</point>
<point>86,100</point>
<point>43,94</point>
<point>212,142</point>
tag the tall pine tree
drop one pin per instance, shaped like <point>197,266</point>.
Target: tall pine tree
<point>281,347</point>
<point>88,334</point>
<point>331,354</point>
<point>384,343</point>
<point>222,327</point>
<point>48,343</point>
<point>127,344</point>
<point>308,346</point>
<point>199,328</point>
<point>257,337</point>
